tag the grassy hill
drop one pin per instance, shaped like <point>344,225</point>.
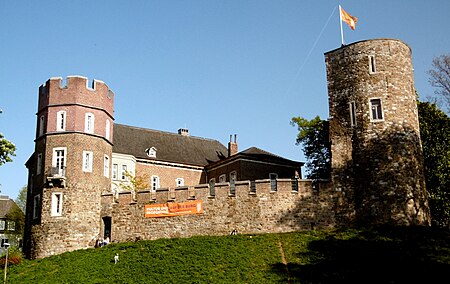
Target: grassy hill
<point>383,255</point>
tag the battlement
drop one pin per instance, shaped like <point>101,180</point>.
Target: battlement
<point>76,90</point>
<point>262,206</point>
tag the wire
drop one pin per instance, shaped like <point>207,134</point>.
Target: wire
<point>310,51</point>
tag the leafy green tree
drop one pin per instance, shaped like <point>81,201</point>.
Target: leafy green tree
<point>314,137</point>
<point>435,136</point>
<point>21,199</point>
<point>7,149</point>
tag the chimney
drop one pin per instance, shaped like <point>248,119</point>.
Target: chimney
<point>183,131</point>
<point>232,146</point>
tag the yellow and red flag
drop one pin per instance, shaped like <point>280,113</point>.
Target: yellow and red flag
<point>347,18</point>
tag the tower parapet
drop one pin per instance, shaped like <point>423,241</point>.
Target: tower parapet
<point>374,129</point>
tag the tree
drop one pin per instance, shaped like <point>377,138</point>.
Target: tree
<point>314,137</point>
<point>21,199</point>
<point>435,136</point>
<point>7,149</point>
<point>440,77</point>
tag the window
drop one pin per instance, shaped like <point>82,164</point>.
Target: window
<point>151,152</point>
<point>36,204</point>
<point>106,166</point>
<point>180,182</point>
<point>115,169</point>
<point>2,224</point>
<point>11,225</point>
<point>376,112</point>
<point>124,172</point>
<point>107,129</point>
<point>41,125</point>
<point>89,120</point>
<point>233,182</point>
<point>273,182</point>
<point>61,120</point>
<point>222,178</point>
<point>212,187</point>
<point>57,198</point>
<point>352,113</point>
<point>39,164</point>
<point>155,182</point>
<point>372,67</point>
<point>59,161</point>
<point>87,161</point>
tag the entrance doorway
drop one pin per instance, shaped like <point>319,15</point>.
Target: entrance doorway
<point>107,227</point>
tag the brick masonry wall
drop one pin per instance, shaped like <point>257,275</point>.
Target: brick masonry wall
<point>169,174</point>
<point>248,212</point>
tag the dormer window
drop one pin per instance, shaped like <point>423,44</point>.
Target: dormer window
<point>151,152</point>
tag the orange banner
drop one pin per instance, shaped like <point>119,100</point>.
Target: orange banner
<point>171,209</point>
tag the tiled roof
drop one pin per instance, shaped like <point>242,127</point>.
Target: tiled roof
<point>6,204</point>
<point>170,147</point>
<point>260,154</point>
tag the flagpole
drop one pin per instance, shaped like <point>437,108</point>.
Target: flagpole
<point>340,22</point>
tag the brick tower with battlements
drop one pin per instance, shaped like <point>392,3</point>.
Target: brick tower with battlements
<point>70,166</point>
<point>374,130</point>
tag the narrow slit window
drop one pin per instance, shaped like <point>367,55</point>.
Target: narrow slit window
<point>372,66</point>
<point>352,106</point>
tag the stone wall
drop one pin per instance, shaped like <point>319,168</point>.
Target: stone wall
<point>250,209</point>
<point>377,161</point>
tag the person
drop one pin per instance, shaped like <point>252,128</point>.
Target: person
<point>116,258</point>
<point>106,241</point>
<point>234,232</point>
<point>98,242</point>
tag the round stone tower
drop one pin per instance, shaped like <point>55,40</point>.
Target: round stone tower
<point>374,131</point>
<point>70,167</point>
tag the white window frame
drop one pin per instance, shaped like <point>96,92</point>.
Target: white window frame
<point>371,106</point>
<point>106,165</point>
<point>151,152</point>
<point>41,125</point>
<point>107,129</point>
<point>372,64</point>
<point>57,202</point>
<point>352,108</point>
<point>61,120</point>
<point>2,225</point>
<point>36,204</point>
<point>223,178</point>
<point>115,171</point>
<point>39,164</point>
<point>124,171</point>
<point>179,182</point>
<point>89,122</point>
<point>88,158</point>
<point>11,226</point>
<point>155,182</point>
<point>56,160</point>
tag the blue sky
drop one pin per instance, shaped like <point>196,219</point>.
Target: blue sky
<point>215,67</point>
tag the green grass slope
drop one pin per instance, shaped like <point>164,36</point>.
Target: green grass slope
<point>383,255</point>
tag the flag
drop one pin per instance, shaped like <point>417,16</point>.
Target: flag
<point>347,18</point>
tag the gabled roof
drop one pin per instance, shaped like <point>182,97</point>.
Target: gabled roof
<point>6,205</point>
<point>257,154</point>
<point>170,147</point>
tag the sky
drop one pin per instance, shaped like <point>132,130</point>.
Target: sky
<point>218,68</point>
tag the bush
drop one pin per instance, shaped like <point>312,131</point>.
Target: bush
<point>14,257</point>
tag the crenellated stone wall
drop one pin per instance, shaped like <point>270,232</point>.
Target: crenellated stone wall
<point>249,209</point>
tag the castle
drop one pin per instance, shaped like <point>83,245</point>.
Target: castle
<point>90,177</point>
